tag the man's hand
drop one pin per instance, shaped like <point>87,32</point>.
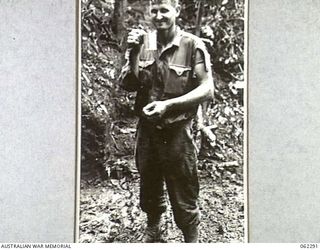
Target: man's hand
<point>155,110</point>
<point>135,38</point>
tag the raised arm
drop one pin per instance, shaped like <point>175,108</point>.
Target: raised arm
<point>129,75</point>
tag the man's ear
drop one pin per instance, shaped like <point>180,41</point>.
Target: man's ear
<point>178,10</point>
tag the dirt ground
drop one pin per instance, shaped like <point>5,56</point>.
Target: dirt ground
<point>110,212</point>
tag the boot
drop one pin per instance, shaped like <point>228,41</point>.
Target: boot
<point>191,234</point>
<point>152,232</point>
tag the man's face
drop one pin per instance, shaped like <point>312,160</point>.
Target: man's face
<point>164,14</point>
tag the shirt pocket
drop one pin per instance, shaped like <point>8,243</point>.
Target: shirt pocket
<point>178,79</point>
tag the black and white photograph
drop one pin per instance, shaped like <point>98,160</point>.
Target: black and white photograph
<point>163,121</point>
<point>159,121</point>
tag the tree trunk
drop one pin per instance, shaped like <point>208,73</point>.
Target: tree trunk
<point>120,7</point>
<point>199,17</point>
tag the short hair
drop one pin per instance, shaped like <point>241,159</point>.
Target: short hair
<point>174,3</point>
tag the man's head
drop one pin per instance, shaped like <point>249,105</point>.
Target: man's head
<point>164,13</point>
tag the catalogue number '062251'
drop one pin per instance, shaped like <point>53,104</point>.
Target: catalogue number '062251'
<point>308,245</point>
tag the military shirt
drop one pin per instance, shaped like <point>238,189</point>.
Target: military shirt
<point>167,73</point>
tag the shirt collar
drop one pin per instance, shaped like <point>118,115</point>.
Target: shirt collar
<point>177,38</point>
<point>175,42</point>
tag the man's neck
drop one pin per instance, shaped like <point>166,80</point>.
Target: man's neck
<point>166,36</point>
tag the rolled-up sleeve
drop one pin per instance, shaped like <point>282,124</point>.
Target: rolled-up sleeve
<point>200,46</point>
<point>130,82</point>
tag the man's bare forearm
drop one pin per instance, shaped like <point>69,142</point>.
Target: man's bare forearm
<point>200,94</point>
<point>134,61</point>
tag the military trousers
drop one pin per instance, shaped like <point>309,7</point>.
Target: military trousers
<point>167,158</point>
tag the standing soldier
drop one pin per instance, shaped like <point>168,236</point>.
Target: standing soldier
<point>171,81</point>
